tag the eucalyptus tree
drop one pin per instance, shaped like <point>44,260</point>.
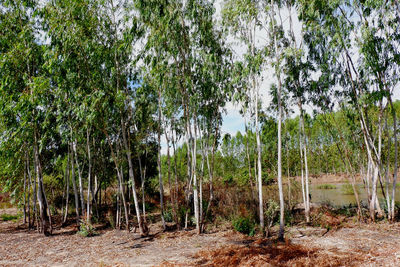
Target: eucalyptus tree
<point>360,39</point>
<point>244,20</point>
<point>74,64</point>
<point>122,30</point>
<point>183,53</point>
<point>25,89</point>
<point>297,81</point>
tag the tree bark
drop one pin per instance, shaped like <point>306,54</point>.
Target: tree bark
<point>25,174</point>
<point>67,182</point>
<point>132,178</point>
<point>81,195</point>
<point>172,195</point>
<point>307,193</point>
<point>29,189</point>
<point>160,181</point>
<point>195,182</point>
<point>392,214</point>
<point>74,186</point>
<point>44,217</point>
<point>176,180</point>
<point>89,175</point>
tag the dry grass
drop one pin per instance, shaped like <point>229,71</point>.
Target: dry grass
<point>275,254</point>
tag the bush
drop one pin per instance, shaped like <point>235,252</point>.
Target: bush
<point>9,217</point>
<point>326,186</point>
<point>271,214</point>
<point>168,215</point>
<point>244,225</point>
<point>86,229</point>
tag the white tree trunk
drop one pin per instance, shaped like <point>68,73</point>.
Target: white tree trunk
<point>74,186</point>
<point>79,178</point>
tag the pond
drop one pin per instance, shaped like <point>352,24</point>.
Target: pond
<point>333,194</point>
<point>342,194</point>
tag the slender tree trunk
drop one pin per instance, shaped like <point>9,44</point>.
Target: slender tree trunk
<point>35,217</point>
<point>375,170</point>
<point>132,178</point>
<point>259,168</point>
<point>303,190</point>
<point>81,195</point>
<point>44,217</point>
<point>29,190</point>
<point>74,186</point>
<point>172,195</point>
<point>248,159</point>
<point>211,173</point>
<point>159,163</point>
<point>117,210</point>
<point>189,164</point>
<point>121,189</point>
<point>280,186</point>
<point>392,214</point>
<point>89,175</point>
<point>176,181</point>
<point>288,174</point>
<point>67,182</point>
<point>388,202</point>
<point>195,182</point>
<point>307,193</point>
<point>142,179</point>
<point>25,174</point>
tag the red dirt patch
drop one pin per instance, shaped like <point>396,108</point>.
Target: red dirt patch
<point>278,254</point>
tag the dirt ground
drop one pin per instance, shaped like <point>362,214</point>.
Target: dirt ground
<point>353,245</point>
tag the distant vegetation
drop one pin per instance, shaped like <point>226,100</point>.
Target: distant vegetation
<point>326,186</point>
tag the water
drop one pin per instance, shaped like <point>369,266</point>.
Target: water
<point>340,196</point>
<point>336,197</point>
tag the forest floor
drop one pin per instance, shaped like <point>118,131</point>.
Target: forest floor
<point>351,244</point>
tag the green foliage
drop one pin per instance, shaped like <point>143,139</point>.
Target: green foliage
<point>326,186</point>
<point>244,225</point>
<point>168,215</point>
<point>271,213</point>
<point>86,229</point>
<point>9,217</point>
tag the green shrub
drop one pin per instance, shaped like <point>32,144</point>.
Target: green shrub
<point>271,214</point>
<point>168,215</point>
<point>326,186</point>
<point>228,179</point>
<point>86,229</point>
<point>244,225</point>
<point>8,217</point>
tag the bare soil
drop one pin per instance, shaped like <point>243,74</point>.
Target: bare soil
<point>352,245</point>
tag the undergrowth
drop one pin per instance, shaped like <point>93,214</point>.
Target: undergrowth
<point>326,186</point>
<point>86,229</point>
<point>244,225</point>
<point>9,217</point>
